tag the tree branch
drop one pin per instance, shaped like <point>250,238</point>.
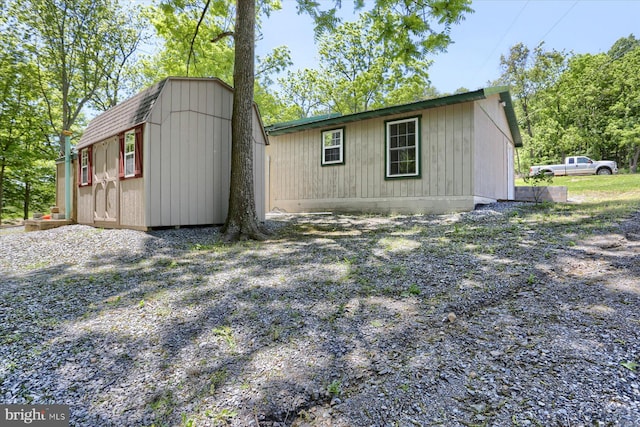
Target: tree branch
<point>221,36</point>
<point>204,11</point>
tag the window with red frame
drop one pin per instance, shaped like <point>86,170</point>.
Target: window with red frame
<point>85,172</point>
<point>131,153</point>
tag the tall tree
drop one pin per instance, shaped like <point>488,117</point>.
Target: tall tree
<point>122,74</point>
<point>533,77</point>
<point>528,73</point>
<point>242,218</point>
<point>76,44</point>
<point>579,104</point>
<point>24,149</point>
<point>360,71</point>
<point>187,30</point>
<point>10,104</point>
<point>624,123</point>
<point>414,27</point>
<point>300,94</point>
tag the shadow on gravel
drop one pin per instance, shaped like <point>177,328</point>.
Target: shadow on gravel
<point>338,318</point>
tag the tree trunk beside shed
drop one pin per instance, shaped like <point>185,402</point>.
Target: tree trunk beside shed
<point>242,220</point>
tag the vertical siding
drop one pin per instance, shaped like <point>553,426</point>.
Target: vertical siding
<point>209,156</point>
<point>198,186</point>
<point>186,164</point>
<point>468,132</point>
<point>85,205</point>
<point>259,167</point>
<point>299,183</point>
<point>174,123</point>
<point>223,164</point>
<point>442,152</point>
<point>375,134</point>
<point>164,145</point>
<point>218,128</point>
<point>191,150</point>
<point>430,145</point>
<point>60,188</point>
<point>450,161</point>
<point>132,203</point>
<point>190,164</point>
<point>153,175</point>
<point>457,142</point>
<point>491,155</point>
<point>188,154</point>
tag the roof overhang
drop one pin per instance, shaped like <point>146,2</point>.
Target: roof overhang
<point>337,119</point>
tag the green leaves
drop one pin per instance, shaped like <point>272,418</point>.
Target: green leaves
<point>175,22</point>
<point>373,62</point>
<point>577,104</point>
<point>26,165</point>
<point>379,60</point>
<point>630,365</point>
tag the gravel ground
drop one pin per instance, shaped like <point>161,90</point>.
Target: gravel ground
<point>502,316</point>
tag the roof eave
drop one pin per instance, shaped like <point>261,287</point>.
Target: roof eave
<point>512,120</point>
<point>502,91</point>
<point>290,127</point>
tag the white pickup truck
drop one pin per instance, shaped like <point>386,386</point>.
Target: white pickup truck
<point>577,165</point>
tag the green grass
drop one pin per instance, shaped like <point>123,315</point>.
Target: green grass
<point>598,187</point>
<point>602,202</point>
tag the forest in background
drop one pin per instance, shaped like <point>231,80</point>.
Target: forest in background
<point>63,62</point>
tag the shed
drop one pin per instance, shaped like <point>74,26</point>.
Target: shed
<point>163,158</point>
<point>434,156</point>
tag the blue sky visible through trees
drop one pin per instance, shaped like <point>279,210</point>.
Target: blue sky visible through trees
<point>583,26</point>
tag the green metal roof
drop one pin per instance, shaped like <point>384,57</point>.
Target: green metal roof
<point>337,119</point>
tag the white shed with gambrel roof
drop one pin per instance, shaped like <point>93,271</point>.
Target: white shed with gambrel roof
<point>163,158</point>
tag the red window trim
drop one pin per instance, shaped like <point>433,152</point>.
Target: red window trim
<point>89,151</point>
<point>137,156</point>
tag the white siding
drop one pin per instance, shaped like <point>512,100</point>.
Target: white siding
<point>186,163</point>
<point>132,203</point>
<point>190,155</point>
<point>85,205</point>
<point>60,188</point>
<point>299,183</point>
<point>493,163</point>
<point>259,167</point>
<point>193,164</point>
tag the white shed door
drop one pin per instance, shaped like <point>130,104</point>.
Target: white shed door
<point>105,183</point>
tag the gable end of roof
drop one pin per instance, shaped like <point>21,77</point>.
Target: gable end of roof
<point>123,116</point>
<point>132,112</point>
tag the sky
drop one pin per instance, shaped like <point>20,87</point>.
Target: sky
<point>473,60</point>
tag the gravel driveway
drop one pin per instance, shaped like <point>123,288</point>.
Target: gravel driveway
<point>503,316</point>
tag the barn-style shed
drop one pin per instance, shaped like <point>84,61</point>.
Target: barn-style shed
<point>434,156</point>
<point>162,158</point>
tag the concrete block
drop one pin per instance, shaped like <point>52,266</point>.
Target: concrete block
<point>541,194</point>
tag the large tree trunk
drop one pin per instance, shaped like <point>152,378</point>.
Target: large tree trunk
<point>242,221</point>
<point>27,199</point>
<point>633,164</point>
<point>2,169</point>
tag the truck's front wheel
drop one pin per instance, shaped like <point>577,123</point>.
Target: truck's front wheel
<point>604,171</point>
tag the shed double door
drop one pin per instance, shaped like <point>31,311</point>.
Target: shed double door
<point>105,184</point>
